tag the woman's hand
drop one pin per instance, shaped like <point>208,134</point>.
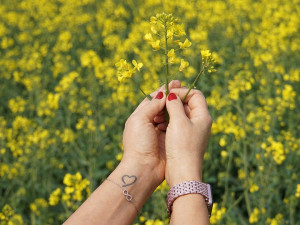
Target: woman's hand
<point>144,135</point>
<point>187,135</point>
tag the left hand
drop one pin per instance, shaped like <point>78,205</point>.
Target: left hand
<point>144,134</point>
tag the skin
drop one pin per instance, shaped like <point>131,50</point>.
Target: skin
<point>186,140</point>
<point>154,151</point>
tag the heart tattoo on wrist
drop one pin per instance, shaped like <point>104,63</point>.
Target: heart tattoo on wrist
<point>128,180</point>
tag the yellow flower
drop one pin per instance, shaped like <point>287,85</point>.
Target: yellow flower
<point>254,188</point>
<point>224,153</point>
<point>179,30</point>
<point>183,65</point>
<point>119,156</point>
<point>148,37</point>
<point>171,56</point>
<point>122,65</point>
<point>142,219</point>
<point>222,142</point>
<point>155,45</point>
<point>205,54</point>
<point>110,165</point>
<point>54,197</point>
<point>217,213</point>
<point>102,127</point>
<point>153,29</point>
<point>298,191</point>
<point>170,34</point>
<point>254,216</point>
<point>185,44</point>
<point>137,66</point>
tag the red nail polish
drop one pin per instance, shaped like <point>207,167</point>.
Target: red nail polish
<point>172,96</point>
<point>160,95</point>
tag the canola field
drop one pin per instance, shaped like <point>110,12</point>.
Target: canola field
<point>63,109</point>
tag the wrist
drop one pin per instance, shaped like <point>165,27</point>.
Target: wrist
<point>183,172</point>
<point>137,180</point>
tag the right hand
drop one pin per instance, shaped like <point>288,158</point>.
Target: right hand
<point>187,136</point>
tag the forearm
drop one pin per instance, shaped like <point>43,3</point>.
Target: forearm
<point>108,204</point>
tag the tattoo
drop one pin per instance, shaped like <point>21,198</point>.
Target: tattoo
<point>128,180</point>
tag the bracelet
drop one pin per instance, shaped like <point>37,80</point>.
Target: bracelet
<point>190,187</point>
<point>128,196</point>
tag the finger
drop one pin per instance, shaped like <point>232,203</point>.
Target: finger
<point>159,119</point>
<point>174,84</point>
<point>161,113</point>
<point>153,94</point>
<point>175,107</point>
<point>195,101</point>
<point>181,92</point>
<point>187,110</point>
<point>150,109</point>
<point>162,126</point>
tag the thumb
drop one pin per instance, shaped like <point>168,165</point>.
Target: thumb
<point>153,107</point>
<point>175,107</point>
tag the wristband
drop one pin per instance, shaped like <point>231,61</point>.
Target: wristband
<point>190,187</point>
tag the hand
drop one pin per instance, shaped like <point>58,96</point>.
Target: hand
<point>187,135</point>
<point>144,134</point>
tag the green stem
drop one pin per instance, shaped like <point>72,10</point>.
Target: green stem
<point>147,96</point>
<point>245,159</point>
<point>227,174</point>
<point>194,83</point>
<point>166,60</point>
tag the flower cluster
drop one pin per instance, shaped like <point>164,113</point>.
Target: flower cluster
<point>125,70</point>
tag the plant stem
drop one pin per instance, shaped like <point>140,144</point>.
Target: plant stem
<point>147,96</point>
<point>245,161</point>
<point>166,60</point>
<point>194,83</point>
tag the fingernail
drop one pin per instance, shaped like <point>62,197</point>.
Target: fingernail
<point>172,96</point>
<point>160,95</point>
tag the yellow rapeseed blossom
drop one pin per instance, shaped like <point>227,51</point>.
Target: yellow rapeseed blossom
<point>156,45</point>
<point>136,65</point>
<point>222,142</point>
<point>119,156</point>
<point>185,44</point>
<point>253,188</point>
<point>110,165</point>
<point>276,221</point>
<point>125,70</point>
<point>38,205</point>
<point>217,213</point>
<point>297,194</point>
<point>254,216</point>
<point>183,65</point>
<point>17,104</point>
<point>54,197</point>
<point>67,135</point>
<point>171,56</point>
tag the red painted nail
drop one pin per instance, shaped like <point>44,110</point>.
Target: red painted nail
<point>160,95</point>
<point>172,96</point>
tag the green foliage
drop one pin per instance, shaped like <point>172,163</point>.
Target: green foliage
<point>62,108</point>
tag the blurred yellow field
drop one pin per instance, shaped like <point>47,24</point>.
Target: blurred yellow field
<point>63,109</point>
